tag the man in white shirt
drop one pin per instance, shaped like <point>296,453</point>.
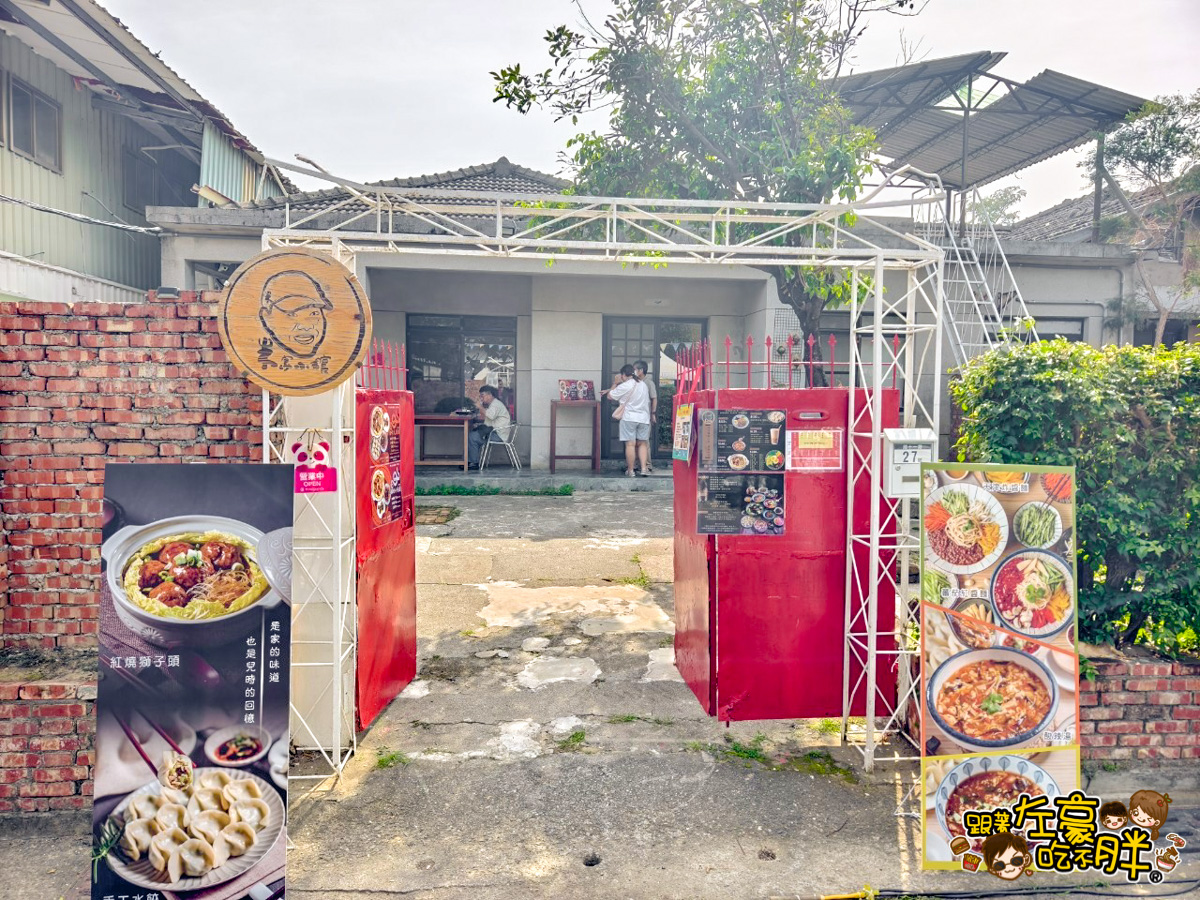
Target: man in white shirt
<point>496,421</point>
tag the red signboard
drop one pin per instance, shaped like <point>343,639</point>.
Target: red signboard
<point>386,548</point>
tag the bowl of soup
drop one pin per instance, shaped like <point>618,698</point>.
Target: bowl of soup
<point>996,698</point>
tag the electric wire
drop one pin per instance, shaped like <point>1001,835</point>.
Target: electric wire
<point>79,217</point>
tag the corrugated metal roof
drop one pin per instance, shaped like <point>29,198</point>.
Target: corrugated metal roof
<point>918,119</point>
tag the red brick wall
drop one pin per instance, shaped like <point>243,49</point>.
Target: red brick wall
<point>46,754</point>
<point>1141,711</point>
<point>84,383</point>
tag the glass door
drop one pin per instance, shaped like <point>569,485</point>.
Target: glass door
<point>657,343</point>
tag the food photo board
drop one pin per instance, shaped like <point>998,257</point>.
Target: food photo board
<point>193,695</point>
<point>999,671</point>
<point>740,488</point>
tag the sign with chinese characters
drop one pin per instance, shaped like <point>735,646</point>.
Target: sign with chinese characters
<point>999,676</point>
<point>815,450</point>
<point>192,703</point>
<point>684,440</point>
<point>740,504</point>
<point>295,321</point>
<point>314,474</point>
<point>384,502</point>
<point>742,440</point>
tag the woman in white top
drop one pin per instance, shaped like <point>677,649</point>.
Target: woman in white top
<point>635,423</point>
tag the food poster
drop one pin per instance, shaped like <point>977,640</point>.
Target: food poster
<point>684,436</point>
<point>382,500</point>
<point>999,671</point>
<point>956,786</point>
<point>740,504</point>
<point>742,440</point>
<point>192,703</point>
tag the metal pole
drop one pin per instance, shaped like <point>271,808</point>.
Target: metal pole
<point>1098,178</point>
<point>962,178</point>
<point>875,495</point>
<point>851,465</point>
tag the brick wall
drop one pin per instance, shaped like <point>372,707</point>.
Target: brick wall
<point>86,383</point>
<point>1141,711</point>
<point>46,755</point>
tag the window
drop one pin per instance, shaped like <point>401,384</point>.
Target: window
<point>451,357</point>
<point>140,181</point>
<point>35,125</point>
<point>1049,329</point>
<point>1175,331</point>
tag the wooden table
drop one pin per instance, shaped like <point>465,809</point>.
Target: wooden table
<point>595,455</point>
<point>421,421</point>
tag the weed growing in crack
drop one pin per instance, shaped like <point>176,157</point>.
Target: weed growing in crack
<point>390,759</point>
<point>622,720</point>
<point>572,742</point>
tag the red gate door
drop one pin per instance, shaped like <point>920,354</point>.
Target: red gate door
<point>386,548</point>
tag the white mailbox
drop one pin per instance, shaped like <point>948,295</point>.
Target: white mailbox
<point>904,449</point>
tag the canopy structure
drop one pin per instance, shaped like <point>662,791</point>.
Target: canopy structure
<point>958,119</point>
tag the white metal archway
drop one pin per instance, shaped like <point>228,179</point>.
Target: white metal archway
<point>890,232</point>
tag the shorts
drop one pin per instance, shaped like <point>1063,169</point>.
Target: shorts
<point>635,431</point>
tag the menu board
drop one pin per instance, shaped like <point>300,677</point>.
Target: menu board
<point>684,434</point>
<point>742,440</point>
<point>999,672</point>
<point>740,504</point>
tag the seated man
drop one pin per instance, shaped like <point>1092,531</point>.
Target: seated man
<point>496,421</point>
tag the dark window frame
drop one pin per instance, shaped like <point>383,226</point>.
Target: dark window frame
<point>458,329</point>
<point>35,96</point>
<point>140,164</point>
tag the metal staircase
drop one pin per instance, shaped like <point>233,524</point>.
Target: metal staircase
<point>983,308</point>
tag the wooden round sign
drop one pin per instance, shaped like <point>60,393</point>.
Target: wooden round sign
<point>297,322</point>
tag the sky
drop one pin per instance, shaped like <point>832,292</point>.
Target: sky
<point>374,89</point>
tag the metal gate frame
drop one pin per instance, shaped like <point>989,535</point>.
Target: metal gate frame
<point>661,232</point>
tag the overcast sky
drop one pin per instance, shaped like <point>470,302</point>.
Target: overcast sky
<point>374,89</point>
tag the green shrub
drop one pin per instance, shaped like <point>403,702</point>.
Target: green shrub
<point>1128,419</point>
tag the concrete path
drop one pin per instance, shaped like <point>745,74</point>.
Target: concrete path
<point>548,748</point>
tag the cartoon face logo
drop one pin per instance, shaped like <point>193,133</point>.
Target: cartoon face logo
<point>1149,810</point>
<point>293,311</point>
<point>1113,815</point>
<point>1006,855</point>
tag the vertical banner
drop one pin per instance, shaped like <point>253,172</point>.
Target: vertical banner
<point>385,549</point>
<point>999,672</point>
<point>192,705</point>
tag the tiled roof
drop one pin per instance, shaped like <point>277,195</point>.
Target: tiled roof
<point>499,176</point>
<point>1072,219</point>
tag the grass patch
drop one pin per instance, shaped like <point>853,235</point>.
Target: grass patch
<point>827,726</point>
<point>483,490</point>
<point>572,742</point>
<point>820,762</point>
<point>668,641</point>
<point>622,720</point>
<point>750,751</point>
<point>389,759</point>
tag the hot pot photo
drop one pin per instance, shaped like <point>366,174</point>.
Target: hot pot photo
<point>189,580</point>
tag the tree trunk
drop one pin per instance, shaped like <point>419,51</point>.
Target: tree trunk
<point>808,311</point>
<point>1164,311</point>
